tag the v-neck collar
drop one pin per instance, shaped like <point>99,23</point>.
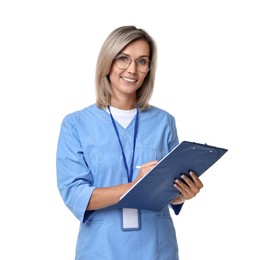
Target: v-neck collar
<point>118,113</point>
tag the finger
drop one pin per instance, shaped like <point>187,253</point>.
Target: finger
<point>187,187</point>
<point>196,180</point>
<point>181,186</point>
<point>189,181</point>
<point>192,188</point>
<point>182,189</point>
<point>193,181</point>
<point>149,164</point>
<point>146,167</point>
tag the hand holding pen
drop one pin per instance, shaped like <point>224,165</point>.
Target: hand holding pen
<point>145,168</point>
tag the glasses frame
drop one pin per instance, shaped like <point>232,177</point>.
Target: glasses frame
<point>130,62</point>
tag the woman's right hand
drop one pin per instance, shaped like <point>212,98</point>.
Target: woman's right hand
<point>145,168</point>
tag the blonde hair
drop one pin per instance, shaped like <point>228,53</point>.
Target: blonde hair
<point>112,46</point>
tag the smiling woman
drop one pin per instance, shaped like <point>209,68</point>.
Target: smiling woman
<point>112,47</point>
<point>126,76</point>
<point>100,145</point>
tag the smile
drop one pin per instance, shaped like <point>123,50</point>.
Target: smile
<point>129,79</point>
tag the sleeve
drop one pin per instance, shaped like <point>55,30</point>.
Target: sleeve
<point>74,178</point>
<point>173,139</point>
<point>173,142</point>
<point>177,208</point>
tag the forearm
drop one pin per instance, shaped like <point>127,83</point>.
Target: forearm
<point>105,197</point>
<point>108,196</point>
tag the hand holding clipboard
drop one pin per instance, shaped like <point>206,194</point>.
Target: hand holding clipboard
<point>155,190</point>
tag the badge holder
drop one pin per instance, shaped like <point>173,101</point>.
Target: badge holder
<point>130,219</point>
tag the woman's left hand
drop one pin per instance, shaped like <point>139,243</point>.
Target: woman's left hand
<point>188,187</point>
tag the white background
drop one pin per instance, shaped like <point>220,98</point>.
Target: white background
<point>208,77</point>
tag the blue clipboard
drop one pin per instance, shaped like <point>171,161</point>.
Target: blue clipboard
<point>155,190</point>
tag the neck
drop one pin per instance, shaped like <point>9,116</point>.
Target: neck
<point>123,104</point>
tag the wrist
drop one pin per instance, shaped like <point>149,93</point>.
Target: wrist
<point>178,200</point>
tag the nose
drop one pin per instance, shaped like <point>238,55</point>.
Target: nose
<point>132,67</point>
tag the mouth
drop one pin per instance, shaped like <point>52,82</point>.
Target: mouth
<point>129,79</point>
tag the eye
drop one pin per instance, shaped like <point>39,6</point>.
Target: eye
<point>142,61</point>
<point>123,58</point>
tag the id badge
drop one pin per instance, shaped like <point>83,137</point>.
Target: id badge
<point>130,219</point>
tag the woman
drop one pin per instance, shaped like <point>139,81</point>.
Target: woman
<point>99,146</point>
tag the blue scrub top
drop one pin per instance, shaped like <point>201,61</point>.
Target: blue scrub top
<point>89,156</point>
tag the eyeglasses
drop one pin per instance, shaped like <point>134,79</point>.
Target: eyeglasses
<point>143,64</point>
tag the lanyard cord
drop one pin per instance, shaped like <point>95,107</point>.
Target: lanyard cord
<point>129,173</point>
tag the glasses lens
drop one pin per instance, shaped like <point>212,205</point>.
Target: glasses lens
<point>122,62</point>
<point>143,64</point>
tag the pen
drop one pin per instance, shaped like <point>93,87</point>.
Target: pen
<point>137,167</point>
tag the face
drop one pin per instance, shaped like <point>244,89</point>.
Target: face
<point>125,82</point>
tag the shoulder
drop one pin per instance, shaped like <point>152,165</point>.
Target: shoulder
<point>157,112</point>
<point>81,114</point>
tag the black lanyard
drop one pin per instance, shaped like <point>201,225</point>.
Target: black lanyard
<point>129,172</point>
